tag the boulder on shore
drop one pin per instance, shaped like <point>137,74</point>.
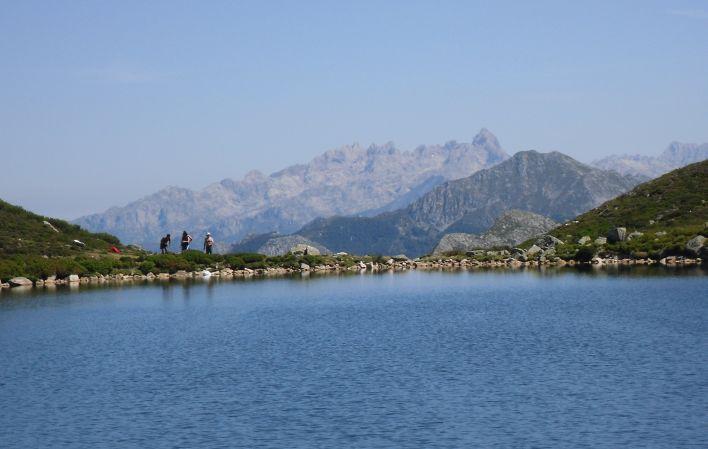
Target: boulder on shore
<point>695,244</point>
<point>584,240</point>
<point>19,281</point>
<point>617,235</point>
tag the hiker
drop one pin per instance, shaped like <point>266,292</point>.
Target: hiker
<point>186,240</point>
<point>165,243</point>
<point>208,243</point>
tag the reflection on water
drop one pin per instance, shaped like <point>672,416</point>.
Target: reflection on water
<point>487,358</point>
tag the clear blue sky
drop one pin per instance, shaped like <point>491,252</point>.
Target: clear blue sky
<point>105,102</point>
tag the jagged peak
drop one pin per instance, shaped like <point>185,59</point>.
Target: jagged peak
<point>387,148</point>
<point>485,138</point>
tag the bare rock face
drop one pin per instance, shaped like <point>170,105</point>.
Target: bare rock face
<point>676,155</point>
<point>512,228</point>
<point>549,184</point>
<point>277,246</point>
<point>305,249</point>
<point>349,180</point>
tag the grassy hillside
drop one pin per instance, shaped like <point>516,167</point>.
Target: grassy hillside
<point>25,233</point>
<point>668,210</point>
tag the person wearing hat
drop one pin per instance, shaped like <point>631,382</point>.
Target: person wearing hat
<point>208,243</point>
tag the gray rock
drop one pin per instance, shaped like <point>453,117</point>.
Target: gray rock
<point>278,246</point>
<point>73,278</point>
<point>548,241</point>
<point>50,226</point>
<point>533,251</point>
<point>617,235</point>
<point>695,244</point>
<point>305,249</point>
<point>634,235</point>
<point>601,240</point>
<point>19,282</point>
<point>511,228</point>
<point>584,240</point>
<point>304,267</point>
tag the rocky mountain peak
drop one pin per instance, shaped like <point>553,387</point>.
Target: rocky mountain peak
<point>486,139</point>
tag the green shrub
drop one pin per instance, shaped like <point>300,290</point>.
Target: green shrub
<point>584,254</point>
<point>235,262</point>
<point>148,266</point>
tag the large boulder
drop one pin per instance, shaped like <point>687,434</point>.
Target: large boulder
<point>584,240</point>
<point>278,246</point>
<point>548,241</point>
<point>617,235</point>
<point>601,240</point>
<point>695,244</point>
<point>305,249</point>
<point>511,228</point>
<point>19,282</point>
<point>634,235</point>
<point>534,250</point>
<point>73,279</point>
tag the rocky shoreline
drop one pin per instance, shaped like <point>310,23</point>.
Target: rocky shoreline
<point>360,267</point>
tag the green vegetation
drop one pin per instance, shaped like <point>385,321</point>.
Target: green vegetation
<point>25,233</point>
<point>38,267</point>
<point>667,211</point>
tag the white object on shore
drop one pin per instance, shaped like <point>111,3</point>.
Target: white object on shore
<point>206,273</point>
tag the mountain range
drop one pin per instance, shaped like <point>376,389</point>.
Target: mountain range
<point>676,155</point>
<point>351,180</point>
<point>550,184</point>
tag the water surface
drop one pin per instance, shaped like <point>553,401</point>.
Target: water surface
<point>422,359</point>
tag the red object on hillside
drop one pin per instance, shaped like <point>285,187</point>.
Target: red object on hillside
<point>115,250</point>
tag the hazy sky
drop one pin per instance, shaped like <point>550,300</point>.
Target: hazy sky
<point>102,103</point>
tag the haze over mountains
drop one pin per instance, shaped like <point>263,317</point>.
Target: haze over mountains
<point>550,184</point>
<point>351,180</point>
<point>676,155</point>
<point>358,182</point>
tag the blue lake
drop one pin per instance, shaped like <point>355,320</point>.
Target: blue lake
<point>420,359</point>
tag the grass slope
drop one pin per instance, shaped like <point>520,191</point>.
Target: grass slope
<point>24,233</point>
<point>668,210</point>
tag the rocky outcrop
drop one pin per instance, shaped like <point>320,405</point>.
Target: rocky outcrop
<point>549,184</point>
<point>345,181</point>
<point>277,246</point>
<point>675,156</point>
<point>512,228</point>
<point>696,244</point>
<point>617,235</point>
<point>19,282</point>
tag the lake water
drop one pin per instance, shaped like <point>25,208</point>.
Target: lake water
<point>421,359</point>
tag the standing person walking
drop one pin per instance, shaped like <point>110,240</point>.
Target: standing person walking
<point>208,243</point>
<point>186,240</point>
<point>165,243</point>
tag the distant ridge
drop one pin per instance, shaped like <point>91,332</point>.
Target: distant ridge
<point>676,155</point>
<point>550,184</point>
<point>350,180</point>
